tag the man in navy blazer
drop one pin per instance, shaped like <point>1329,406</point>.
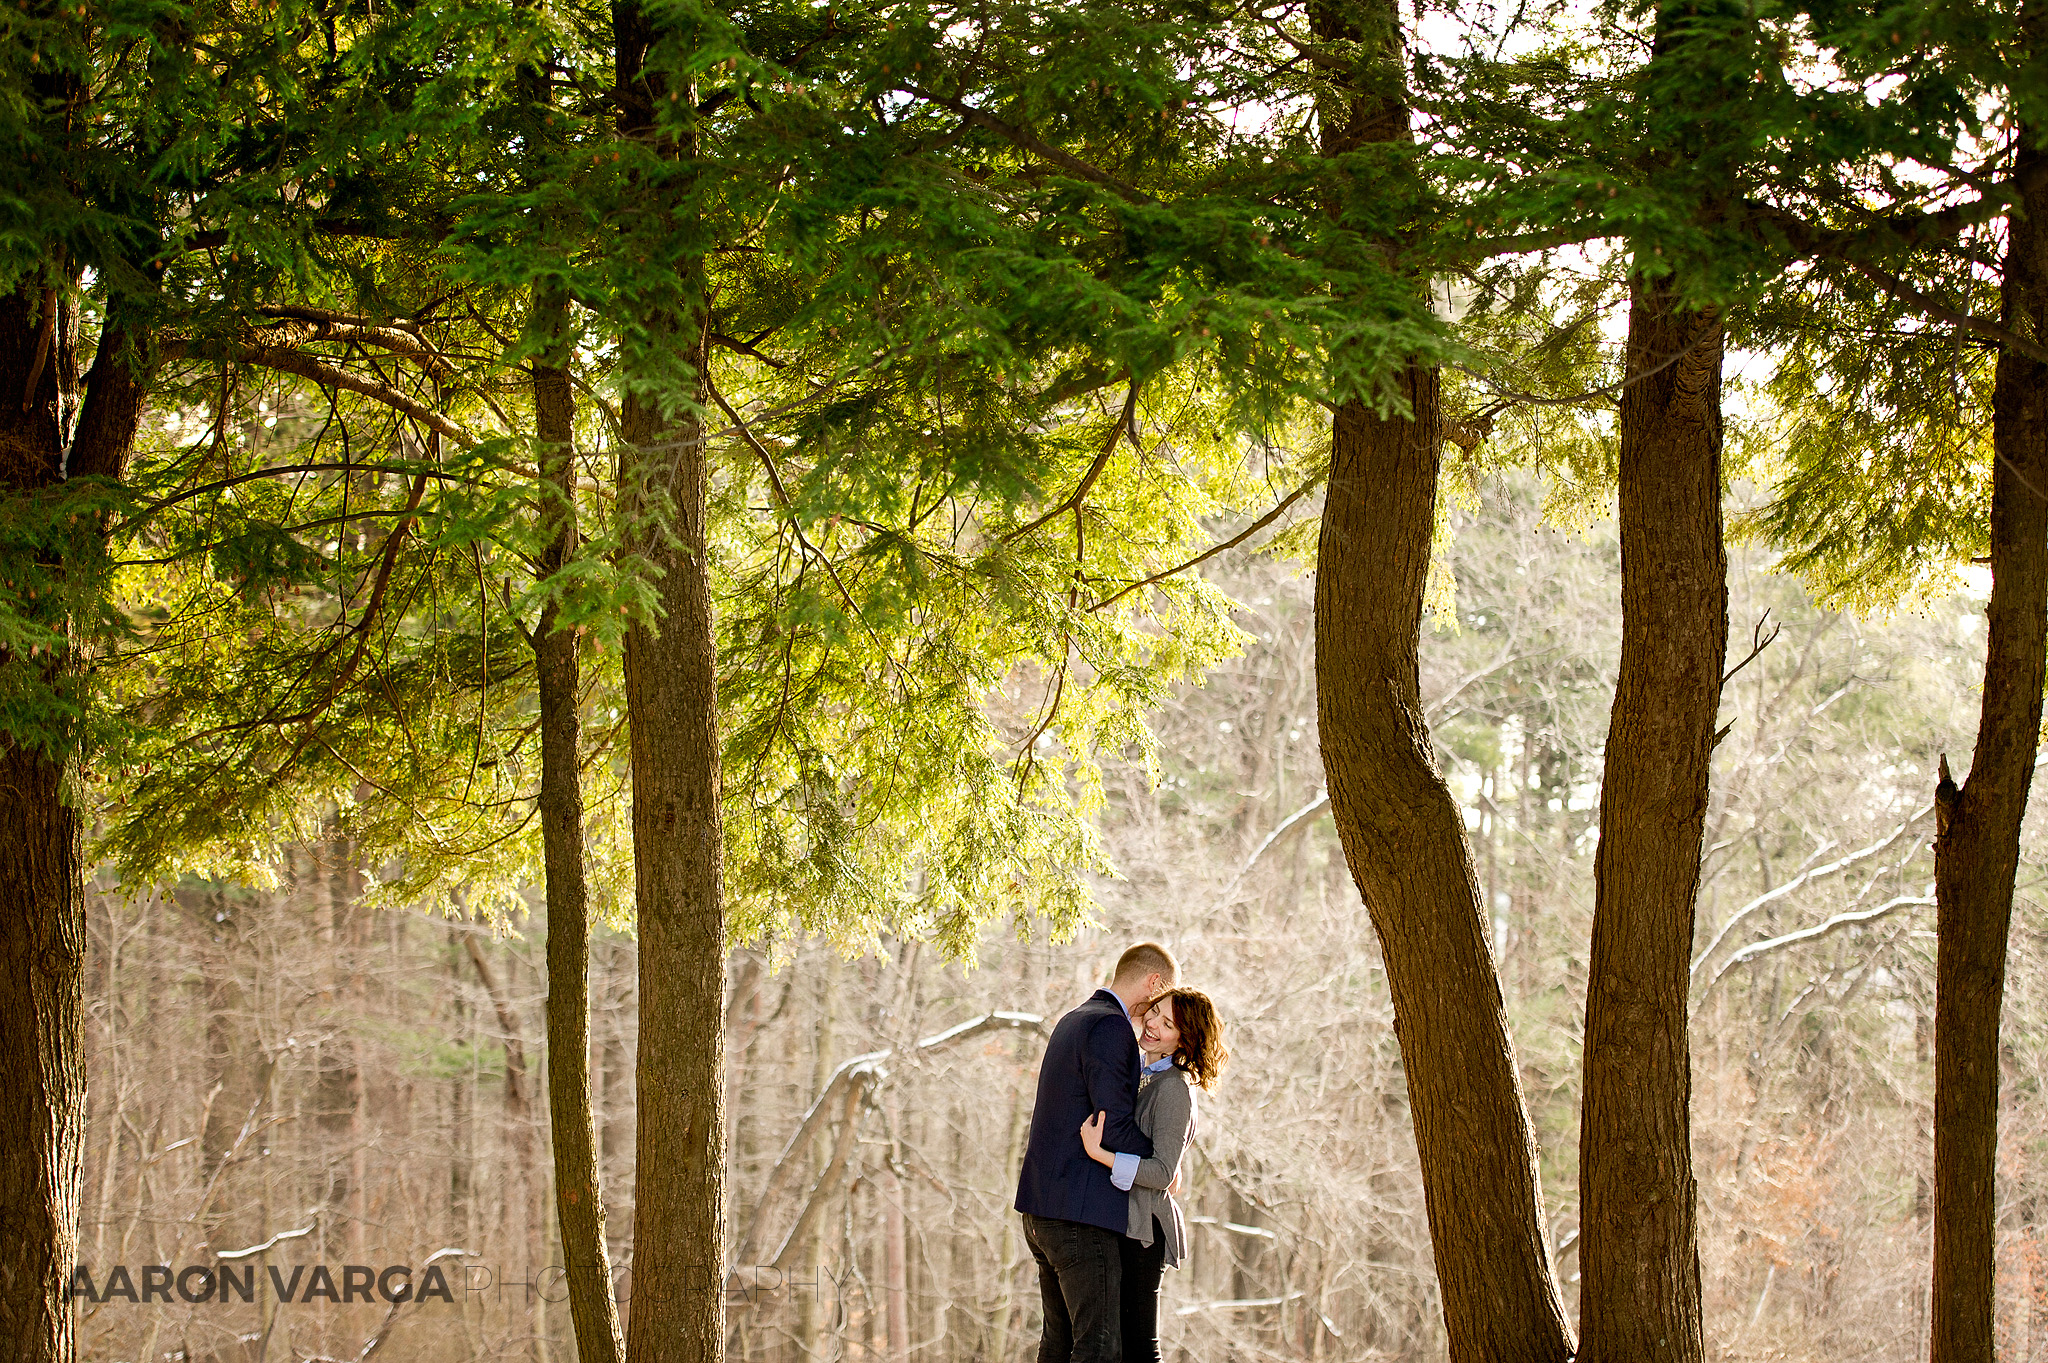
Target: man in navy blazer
<point>1075,1210</point>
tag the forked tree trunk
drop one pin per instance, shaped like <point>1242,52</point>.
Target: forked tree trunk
<point>1402,832</point>
<point>1977,842</point>
<point>677,1313</point>
<point>579,1195</point>
<point>1640,1300</point>
<point>42,889</point>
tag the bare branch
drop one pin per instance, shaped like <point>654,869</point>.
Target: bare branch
<point>277,1239</point>
<point>987,1022</point>
<point>1804,878</point>
<point>1941,312</point>
<point>858,1092</point>
<point>1826,928</point>
<point>857,1076</point>
<point>747,348</point>
<point>1759,644</point>
<point>1293,823</point>
<point>1123,423</point>
<point>376,1341</point>
<point>1254,528</point>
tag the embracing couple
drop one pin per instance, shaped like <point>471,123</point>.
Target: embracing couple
<point>1115,1114</point>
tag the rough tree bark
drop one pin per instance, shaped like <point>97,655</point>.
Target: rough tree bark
<point>1640,1299</point>
<point>1404,838</point>
<point>677,1313</point>
<point>1403,834</point>
<point>1977,841</point>
<point>671,699</point>
<point>579,1197</point>
<point>42,889</point>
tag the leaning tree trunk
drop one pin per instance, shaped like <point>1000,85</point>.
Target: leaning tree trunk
<point>1404,838</point>
<point>579,1199</point>
<point>1977,842</point>
<point>1402,832</point>
<point>1640,1299</point>
<point>677,1313</point>
<point>42,886</point>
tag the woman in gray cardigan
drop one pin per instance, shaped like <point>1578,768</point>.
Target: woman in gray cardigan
<point>1183,1047</point>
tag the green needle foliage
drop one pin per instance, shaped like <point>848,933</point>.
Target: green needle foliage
<point>1012,310</point>
<point>936,521</point>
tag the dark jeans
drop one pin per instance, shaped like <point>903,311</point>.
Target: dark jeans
<point>1079,1275</point>
<point>1139,1307</point>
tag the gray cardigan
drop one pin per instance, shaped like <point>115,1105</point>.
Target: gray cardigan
<point>1165,1112</point>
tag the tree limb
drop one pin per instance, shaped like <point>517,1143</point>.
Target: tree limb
<point>1941,312</point>
<point>298,331</point>
<point>860,1074</point>
<point>857,1093</point>
<point>1260,524</point>
<point>1294,822</point>
<point>287,361</point>
<point>515,1049</point>
<point>1123,423</point>
<point>1817,931</point>
<point>1029,141</point>
<point>1802,879</point>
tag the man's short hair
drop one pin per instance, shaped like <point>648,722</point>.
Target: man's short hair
<point>1147,958</point>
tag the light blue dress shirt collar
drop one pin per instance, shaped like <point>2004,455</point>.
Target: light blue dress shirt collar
<point>1105,989</point>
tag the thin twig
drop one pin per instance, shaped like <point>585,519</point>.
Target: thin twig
<point>1260,524</point>
<point>1123,423</point>
<point>1760,643</point>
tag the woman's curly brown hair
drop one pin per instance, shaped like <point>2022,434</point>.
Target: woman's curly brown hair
<point>1200,1053</point>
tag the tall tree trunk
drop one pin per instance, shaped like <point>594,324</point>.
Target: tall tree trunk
<point>1404,835</point>
<point>671,700</point>
<point>42,1069</point>
<point>1977,843</point>
<point>1640,1301</point>
<point>42,888</point>
<point>579,1196</point>
<point>339,1089</point>
<point>515,1221</point>
<point>672,707</point>
<point>1404,838</point>
<point>895,1262</point>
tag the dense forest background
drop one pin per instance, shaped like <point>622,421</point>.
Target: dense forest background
<point>391,1058</point>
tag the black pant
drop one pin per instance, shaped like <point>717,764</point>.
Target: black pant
<point>1079,1274</point>
<point>1139,1306</point>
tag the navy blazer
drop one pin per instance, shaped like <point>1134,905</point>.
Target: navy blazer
<point>1090,1066</point>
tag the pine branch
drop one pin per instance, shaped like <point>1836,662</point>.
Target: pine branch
<point>1941,312</point>
<point>1123,423</point>
<point>287,361</point>
<point>271,471</point>
<point>1027,140</point>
